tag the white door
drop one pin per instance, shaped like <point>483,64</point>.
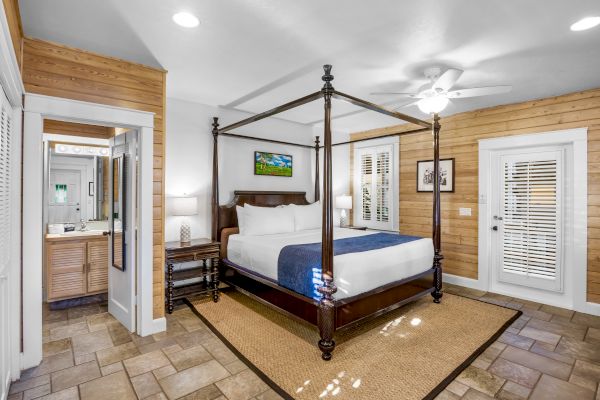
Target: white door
<point>122,260</point>
<point>6,239</point>
<point>374,199</point>
<point>64,196</point>
<point>527,207</point>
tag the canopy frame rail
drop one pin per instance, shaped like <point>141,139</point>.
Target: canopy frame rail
<point>326,308</point>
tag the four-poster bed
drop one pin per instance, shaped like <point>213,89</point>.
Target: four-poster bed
<point>327,313</point>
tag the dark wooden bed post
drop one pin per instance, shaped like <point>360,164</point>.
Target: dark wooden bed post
<point>215,179</point>
<point>317,178</point>
<point>437,232</point>
<point>326,312</point>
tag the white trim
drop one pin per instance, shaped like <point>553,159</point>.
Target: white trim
<point>38,107</point>
<point>53,137</point>
<point>10,74</point>
<point>462,281</point>
<point>578,139</point>
<point>158,325</point>
<point>58,108</point>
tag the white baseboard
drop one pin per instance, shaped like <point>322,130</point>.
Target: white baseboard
<point>158,325</point>
<point>588,308</point>
<point>591,308</point>
<point>462,281</point>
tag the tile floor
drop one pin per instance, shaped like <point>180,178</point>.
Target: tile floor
<point>548,353</point>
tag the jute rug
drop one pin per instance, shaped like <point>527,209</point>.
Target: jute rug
<point>410,353</point>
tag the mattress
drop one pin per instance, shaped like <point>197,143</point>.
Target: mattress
<point>354,273</point>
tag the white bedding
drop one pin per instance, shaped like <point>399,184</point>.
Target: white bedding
<point>354,273</point>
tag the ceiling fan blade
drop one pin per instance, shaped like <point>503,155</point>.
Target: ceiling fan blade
<point>480,91</point>
<point>413,95</point>
<point>447,79</point>
<point>412,103</point>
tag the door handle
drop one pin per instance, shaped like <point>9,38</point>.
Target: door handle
<point>497,218</point>
<point>106,233</point>
<point>495,228</point>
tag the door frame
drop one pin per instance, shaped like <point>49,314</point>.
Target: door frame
<point>37,108</point>
<point>577,138</point>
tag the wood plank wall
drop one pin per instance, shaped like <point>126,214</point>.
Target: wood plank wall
<point>459,139</point>
<point>57,70</point>
<point>13,16</point>
<point>74,129</point>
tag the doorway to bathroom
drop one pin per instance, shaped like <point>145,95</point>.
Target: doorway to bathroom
<point>96,201</point>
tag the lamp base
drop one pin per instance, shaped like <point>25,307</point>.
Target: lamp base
<point>185,233</point>
<point>343,219</point>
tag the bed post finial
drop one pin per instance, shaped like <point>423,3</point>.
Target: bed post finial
<point>215,180</point>
<point>327,78</point>
<point>317,166</point>
<point>437,220</point>
<point>326,313</point>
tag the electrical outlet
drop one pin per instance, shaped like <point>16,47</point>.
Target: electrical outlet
<point>464,212</point>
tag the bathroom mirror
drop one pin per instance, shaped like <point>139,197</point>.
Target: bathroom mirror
<point>117,212</point>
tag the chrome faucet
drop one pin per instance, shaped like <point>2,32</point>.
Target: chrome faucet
<point>83,225</point>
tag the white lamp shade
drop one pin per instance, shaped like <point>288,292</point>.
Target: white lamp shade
<point>184,206</point>
<point>432,105</point>
<point>344,202</point>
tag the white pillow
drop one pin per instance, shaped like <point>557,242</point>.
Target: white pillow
<point>307,217</point>
<point>241,217</point>
<point>267,220</point>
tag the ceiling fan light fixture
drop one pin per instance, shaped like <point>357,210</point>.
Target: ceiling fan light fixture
<point>186,19</point>
<point>432,105</point>
<point>585,24</point>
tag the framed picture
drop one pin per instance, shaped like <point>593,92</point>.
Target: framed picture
<point>425,175</point>
<point>272,164</point>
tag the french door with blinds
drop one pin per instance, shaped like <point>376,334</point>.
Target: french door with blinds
<point>374,181</point>
<point>527,212</point>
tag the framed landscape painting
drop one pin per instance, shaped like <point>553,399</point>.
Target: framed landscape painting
<point>425,175</point>
<point>272,164</point>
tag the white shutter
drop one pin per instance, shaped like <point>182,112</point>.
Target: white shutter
<point>5,182</point>
<point>375,179</point>
<point>366,176</point>
<point>531,206</point>
<point>382,183</point>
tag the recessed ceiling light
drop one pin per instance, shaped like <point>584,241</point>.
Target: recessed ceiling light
<point>585,23</point>
<point>186,19</point>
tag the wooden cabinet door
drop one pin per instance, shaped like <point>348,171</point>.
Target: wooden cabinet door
<point>66,270</point>
<point>97,275</point>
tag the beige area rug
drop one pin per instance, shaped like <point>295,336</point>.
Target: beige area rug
<point>410,353</point>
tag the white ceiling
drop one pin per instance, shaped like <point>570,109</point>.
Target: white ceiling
<point>254,55</point>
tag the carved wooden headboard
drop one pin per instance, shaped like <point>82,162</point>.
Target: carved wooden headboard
<point>228,215</point>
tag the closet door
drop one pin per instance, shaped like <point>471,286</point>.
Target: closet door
<point>6,238</point>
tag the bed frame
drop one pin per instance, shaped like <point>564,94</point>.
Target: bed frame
<point>328,314</point>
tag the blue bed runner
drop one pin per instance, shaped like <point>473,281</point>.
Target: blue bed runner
<point>299,265</point>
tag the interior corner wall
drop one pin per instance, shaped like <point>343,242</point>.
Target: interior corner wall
<point>189,159</point>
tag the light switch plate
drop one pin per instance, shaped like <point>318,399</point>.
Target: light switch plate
<point>465,212</point>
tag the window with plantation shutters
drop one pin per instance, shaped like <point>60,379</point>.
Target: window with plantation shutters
<point>375,194</point>
<point>531,221</point>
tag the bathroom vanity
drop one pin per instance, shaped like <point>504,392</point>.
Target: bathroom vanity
<point>76,264</point>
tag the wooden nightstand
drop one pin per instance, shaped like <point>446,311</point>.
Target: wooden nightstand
<point>204,250</point>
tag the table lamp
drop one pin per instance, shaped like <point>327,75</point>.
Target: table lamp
<point>184,207</point>
<point>344,203</point>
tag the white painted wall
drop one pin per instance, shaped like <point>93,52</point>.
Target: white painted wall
<point>188,163</point>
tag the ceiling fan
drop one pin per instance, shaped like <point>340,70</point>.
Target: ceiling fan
<point>433,97</point>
